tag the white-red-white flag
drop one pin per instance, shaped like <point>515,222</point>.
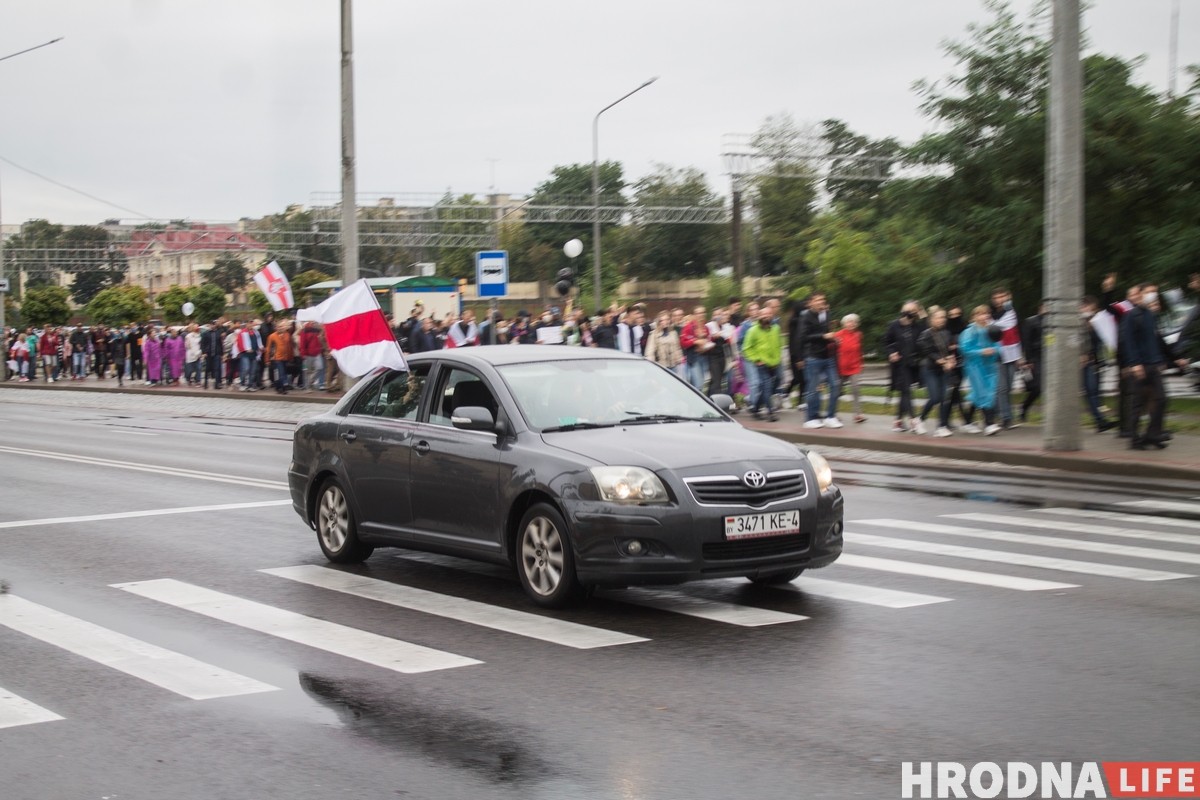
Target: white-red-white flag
<point>274,284</point>
<point>358,333</point>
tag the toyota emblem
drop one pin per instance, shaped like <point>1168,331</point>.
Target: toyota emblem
<point>754,479</point>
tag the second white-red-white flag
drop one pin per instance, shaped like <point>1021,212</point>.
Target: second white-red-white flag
<point>358,333</point>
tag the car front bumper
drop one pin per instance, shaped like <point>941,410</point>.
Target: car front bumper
<point>687,542</point>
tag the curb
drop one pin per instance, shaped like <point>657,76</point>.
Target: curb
<point>211,393</point>
<point>1083,463</point>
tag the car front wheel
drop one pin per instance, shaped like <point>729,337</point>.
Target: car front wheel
<point>545,562</point>
<point>337,532</point>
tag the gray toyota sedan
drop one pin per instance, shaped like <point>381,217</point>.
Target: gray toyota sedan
<point>578,467</point>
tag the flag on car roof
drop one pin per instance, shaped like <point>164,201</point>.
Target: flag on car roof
<point>358,333</point>
<point>274,284</point>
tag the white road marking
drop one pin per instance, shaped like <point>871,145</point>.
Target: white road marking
<point>157,469</point>
<point>136,433</point>
<point>360,645</point>
<point>692,606</point>
<point>1164,505</point>
<point>16,711</point>
<point>1018,559</point>
<point>1132,519</point>
<point>522,623</point>
<point>1128,551</point>
<point>949,573</point>
<point>157,512</point>
<point>856,593</point>
<point>172,671</point>
<point>1081,527</point>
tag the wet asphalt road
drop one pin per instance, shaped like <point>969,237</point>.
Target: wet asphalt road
<point>827,706</point>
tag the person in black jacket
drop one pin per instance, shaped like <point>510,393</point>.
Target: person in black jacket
<point>212,347</point>
<point>796,352</point>
<point>937,350</point>
<point>900,344</point>
<point>820,363</point>
<point>1145,361</point>
<point>423,337</point>
<point>1032,337</point>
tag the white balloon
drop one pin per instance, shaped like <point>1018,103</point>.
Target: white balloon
<point>573,248</point>
<point>188,308</point>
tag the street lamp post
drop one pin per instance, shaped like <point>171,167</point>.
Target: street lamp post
<point>4,294</point>
<point>596,190</point>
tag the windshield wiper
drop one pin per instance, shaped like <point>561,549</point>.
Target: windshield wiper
<point>638,418</point>
<point>578,426</point>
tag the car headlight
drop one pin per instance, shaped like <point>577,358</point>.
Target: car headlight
<point>629,485</point>
<point>821,467</point>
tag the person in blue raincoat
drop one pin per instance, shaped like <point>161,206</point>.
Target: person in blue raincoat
<point>979,348</point>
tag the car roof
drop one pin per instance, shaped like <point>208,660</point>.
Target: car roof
<point>502,355</point>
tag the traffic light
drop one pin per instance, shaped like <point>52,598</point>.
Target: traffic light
<point>566,281</point>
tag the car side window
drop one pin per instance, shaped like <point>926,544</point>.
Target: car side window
<point>364,405</point>
<point>400,396</point>
<point>458,388</point>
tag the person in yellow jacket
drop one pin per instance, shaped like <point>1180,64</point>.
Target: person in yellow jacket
<point>762,348</point>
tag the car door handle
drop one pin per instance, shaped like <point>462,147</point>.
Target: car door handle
<point>349,436</point>
<point>422,447</point>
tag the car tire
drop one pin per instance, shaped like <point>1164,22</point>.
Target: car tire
<point>778,579</point>
<point>337,532</point>
<point>545,561</point>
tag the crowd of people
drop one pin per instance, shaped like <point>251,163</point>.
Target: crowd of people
<point>969,361</point>
<point>246,356</point>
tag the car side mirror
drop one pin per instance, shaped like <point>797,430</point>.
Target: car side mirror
<point>722,401</point>
<point>473,418</point>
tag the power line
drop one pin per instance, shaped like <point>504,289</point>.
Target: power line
<point>31,49</point>
<point>11,163</point>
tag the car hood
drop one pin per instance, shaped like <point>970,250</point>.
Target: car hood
<point>673,445</point>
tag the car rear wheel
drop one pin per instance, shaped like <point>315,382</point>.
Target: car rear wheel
<point>545,562</point>
<point>337,532</point>
<point>778,578</point>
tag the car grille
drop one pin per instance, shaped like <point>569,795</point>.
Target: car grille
<point>732,491</point>
<point>755,548</point>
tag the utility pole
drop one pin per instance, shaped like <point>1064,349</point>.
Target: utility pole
<point>1064,229</point>
<point>1173,67</point>
<point>735,233</point>
<point>596,191</point>
<point>349,193</point>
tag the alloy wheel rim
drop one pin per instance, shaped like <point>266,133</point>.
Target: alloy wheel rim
<point>542,555</point>
<point>333,519</point>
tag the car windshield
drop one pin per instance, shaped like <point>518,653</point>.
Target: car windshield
<point>589,393</point>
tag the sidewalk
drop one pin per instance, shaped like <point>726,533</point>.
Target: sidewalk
<point>1103,454</point>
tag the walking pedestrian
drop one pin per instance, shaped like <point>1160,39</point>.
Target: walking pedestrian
<point>696,344</point>
<point>118,351</point>
<point>314,361</point>
<point>174,354</point>
<point>796,349</point>
<point>79,365</point>
<point>850,360</point>
<point>192,352</point>
<point>48,349</point>
<point>152,353</point>
<point>1091,362</point>
<point>982,368</point>
<point>279,354</point>
<point>1145,362</point>
<point>763,347</point>
<point>662,346</point>
<point>1011,353</point>
<point>100,350</point>
<point>1032,373</point>
<point>936,347</point>
<point>900,344</point>
<point>820,362</point>
<point>136,336</point>
<point>212,348</point>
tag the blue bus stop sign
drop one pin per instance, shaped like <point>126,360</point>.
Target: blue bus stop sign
<point>491,273</point>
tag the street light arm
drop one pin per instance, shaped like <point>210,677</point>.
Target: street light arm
<point>52,41</point>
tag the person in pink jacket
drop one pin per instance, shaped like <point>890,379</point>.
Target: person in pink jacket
<point>175,351</point>
<point>152,354</point>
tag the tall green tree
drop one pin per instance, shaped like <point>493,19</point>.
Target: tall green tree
<point>228,272</point>
<point>571,185</point>
<point>670,251</point>
<point>46,305</point>
<point>783,196</point>
<point>208,299</point>
<point>120,305</point>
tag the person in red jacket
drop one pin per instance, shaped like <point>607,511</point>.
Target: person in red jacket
<point>850,360</point>
<point>312,351</point>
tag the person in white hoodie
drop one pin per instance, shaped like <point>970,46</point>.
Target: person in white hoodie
<point>191,355</point>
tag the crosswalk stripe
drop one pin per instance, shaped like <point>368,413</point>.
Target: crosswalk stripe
<point>1080,527</point>
<point>856,593</point>
<point>949,573</point>
<point>157,512</point>
<point>173,671</point>
<point>360,645</point>
<point>16,711</point>
<point>1164,505</point>
<point>1151,553</point>
<point>702,608</point>
<point>521,623</point>
<point>1132,519</point>
<point>1016,559</point>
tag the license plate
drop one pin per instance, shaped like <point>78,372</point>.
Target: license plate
<point>749,526</point>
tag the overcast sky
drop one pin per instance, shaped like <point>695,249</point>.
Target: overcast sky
<point>219,109</point>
